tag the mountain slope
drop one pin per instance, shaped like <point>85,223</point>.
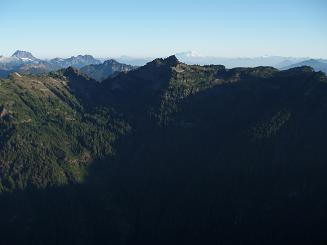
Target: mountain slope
<point>48,137</point>
<point>229,150</point>
<point>184,154</point>
<point>108,68</point>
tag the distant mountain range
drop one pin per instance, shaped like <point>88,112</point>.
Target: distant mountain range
<point>108,68</point>
<point>190,57</point>
<point>78,61</point>
<point>316,64</point>
<point>25,63</point>
<point>279,62</point>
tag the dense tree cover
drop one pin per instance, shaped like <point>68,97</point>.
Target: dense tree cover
<point>48,138</point>
<point>167,153</point>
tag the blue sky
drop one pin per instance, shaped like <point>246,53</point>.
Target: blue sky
<point>233,28</point>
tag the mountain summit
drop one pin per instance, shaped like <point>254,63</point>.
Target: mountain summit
<point>24,55</point>
<point>108,68</point>
<point>170,61</point>
<point>75,61</point>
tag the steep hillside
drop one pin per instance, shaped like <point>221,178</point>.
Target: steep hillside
<point>48,136</point>
<point>166,153</point>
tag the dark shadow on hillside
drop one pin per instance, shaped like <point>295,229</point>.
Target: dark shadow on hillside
<point>203,178</point>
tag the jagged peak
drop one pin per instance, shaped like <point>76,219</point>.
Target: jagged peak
<point>171,61</point>
<point>71,70</point>
<point>110,61</point>
<point>23,55</point>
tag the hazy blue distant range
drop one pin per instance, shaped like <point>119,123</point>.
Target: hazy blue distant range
<point>25,63</point>
<point>99,69</point>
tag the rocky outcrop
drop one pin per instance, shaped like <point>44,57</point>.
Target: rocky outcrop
<point>3,112</point>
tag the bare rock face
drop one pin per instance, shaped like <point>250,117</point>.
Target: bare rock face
<point>3,112</point>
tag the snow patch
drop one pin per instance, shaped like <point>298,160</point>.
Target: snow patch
<point>26,59</point>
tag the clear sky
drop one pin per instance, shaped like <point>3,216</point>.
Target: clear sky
<point>141,28</point>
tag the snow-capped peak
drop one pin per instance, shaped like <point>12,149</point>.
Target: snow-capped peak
<point>24,55</point>
<point>26,59</point>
